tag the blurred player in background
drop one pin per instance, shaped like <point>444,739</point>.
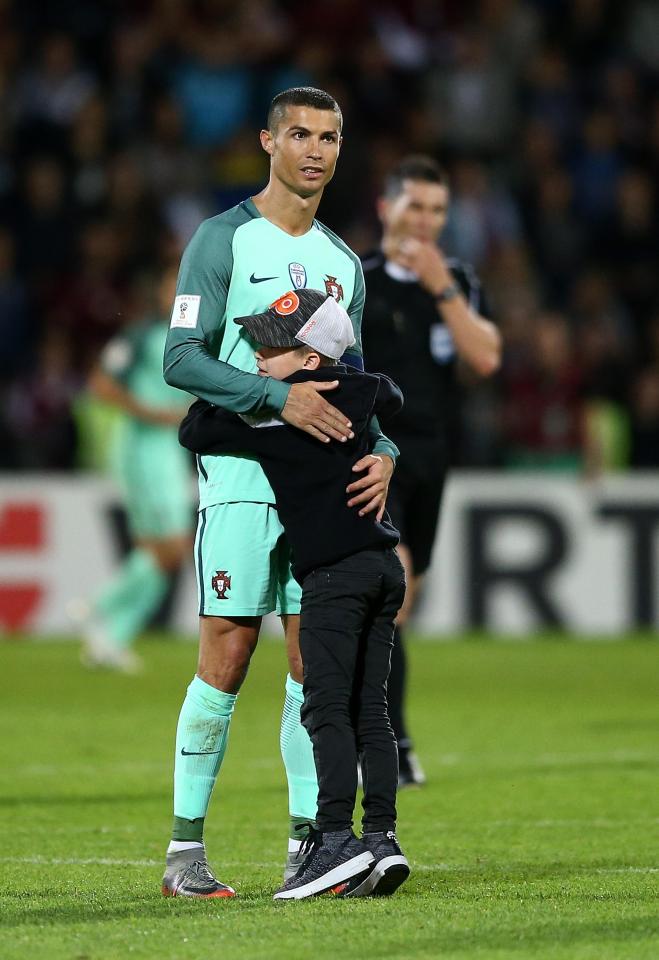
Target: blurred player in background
<point>154,474</point>
<point>424,317</point>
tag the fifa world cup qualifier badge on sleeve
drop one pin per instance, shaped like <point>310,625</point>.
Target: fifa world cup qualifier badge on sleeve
<point>186,311</point>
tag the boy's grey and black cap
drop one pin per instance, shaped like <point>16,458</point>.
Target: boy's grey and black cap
<point>303,317</point>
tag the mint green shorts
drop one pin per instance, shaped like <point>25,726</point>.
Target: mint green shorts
<point>243,564</point>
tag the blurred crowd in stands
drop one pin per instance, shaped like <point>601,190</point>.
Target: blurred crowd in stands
<point>123,124</point>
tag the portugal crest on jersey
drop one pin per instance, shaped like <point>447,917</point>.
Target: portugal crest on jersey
<point>298,275</point>
<point>220,583</point>
<point>333,287</point>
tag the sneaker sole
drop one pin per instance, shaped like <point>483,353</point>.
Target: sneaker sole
<point>386,877</point>
<point>351,869</point>
<point>168,892</point>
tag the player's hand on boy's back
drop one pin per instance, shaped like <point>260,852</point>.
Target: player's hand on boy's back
<point>371,490</point>
<point>306,409</point>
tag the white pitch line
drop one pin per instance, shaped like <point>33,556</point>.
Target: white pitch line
<point>490,761</point>
<point>81,861</point>
<point>275,865</point>
<point>112,862</point>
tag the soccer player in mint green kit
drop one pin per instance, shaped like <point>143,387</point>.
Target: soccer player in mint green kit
<point>236,265</point>
<point>154,475</point>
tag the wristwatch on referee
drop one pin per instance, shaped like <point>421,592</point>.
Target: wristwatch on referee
<point>447,294</point>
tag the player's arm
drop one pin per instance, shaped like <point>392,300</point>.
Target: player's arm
<point>196,328</point>
<point>477,340</point>
<point>107,382</point>
<point>369,492</point>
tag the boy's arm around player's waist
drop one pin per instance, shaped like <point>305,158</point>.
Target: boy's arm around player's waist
<point>207,429</point>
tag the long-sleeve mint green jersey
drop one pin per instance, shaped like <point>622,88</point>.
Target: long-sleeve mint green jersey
<point>236,265</point>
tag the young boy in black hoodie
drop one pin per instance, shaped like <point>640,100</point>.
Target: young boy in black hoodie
<point>352,587</point>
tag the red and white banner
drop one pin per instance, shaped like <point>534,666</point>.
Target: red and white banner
<point>58,545</point>
<point>516,553</point>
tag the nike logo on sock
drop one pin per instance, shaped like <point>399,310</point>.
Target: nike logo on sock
<point>254,279</point>
<point>198,753</point>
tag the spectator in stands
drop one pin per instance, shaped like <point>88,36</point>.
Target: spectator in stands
<point>122,133</point>
<point>39,406</point>
<point>543,409</point>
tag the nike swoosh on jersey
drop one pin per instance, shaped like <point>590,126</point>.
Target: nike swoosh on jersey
<point>254,279</point>
<point>198,753</point>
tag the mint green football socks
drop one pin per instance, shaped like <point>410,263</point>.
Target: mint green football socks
<point>297,754</point>
<point>201,740</point>
<point>131,597</point>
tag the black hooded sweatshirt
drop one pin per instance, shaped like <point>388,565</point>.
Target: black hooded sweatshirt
<point>308,477</point>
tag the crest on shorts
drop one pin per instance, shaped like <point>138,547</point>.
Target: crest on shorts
<point>333,287</point>
<point>298,275</point>
<point>220,583</point>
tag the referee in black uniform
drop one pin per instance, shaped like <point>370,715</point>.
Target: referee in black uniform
<point>425,315</point>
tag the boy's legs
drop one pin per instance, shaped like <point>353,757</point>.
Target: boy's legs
<point>336,602</point>
<point>335,605</point>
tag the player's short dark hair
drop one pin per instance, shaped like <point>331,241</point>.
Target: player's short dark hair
<point>415,167</point>
<point>301,97</point>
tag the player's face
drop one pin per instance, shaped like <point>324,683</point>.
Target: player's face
<point>304,149</point>
<point>419,211</point>
<point>278,362</point>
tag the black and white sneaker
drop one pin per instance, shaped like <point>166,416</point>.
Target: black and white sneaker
<point>389,871</point>
<point>331,862</point>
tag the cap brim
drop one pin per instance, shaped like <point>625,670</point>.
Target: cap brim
<point>262,329</point>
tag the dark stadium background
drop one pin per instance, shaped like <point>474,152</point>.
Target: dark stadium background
<point>124,124</point>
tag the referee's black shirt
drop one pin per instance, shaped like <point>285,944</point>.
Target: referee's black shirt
<point>309,478</point>
<point>405,338</point>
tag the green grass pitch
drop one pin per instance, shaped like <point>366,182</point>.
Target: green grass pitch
<point>536,836</point>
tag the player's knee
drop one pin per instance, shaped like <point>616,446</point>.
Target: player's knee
<point>225,652</point>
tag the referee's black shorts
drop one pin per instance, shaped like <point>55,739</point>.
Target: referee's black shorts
<point>415,499</point>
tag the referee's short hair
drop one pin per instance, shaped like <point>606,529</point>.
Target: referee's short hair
<point>416,167</point>
<point>301,97</point>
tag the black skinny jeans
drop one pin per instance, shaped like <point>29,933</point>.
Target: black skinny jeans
<point>346,635</point>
